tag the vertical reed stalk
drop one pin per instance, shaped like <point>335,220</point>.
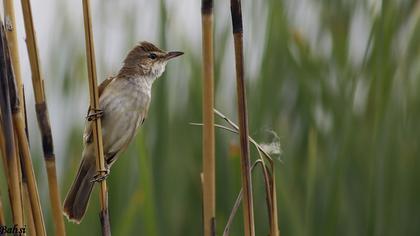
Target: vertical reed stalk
<point>235,7</point>
<point>43,119</point>
<point>25,157</point>
<point>11,36</point>
<point>11,168</point>
<point>27,167</point>
<point>209,185</point>
<point>28,213</point>
<point>29,217</point>
<point>235,208</point>
<point>96,123</point>
<point>269,181</point>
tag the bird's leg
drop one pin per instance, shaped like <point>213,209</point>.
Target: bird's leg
<point>101,175</point>
<point>94,114</point>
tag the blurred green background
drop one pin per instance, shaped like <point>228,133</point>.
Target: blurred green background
<point>337,81</point>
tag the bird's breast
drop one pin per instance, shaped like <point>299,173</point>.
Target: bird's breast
<point>124,104</point>
<point>125,97</point>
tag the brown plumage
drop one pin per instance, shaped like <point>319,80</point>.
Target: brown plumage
<point>124,101</point>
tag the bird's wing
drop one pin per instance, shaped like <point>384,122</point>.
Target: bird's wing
<point>104,84</point>
<point>87,134</point>
<point>115,150</point>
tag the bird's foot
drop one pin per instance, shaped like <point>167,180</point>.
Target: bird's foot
<point>101,176</point>
<point>94,114</point>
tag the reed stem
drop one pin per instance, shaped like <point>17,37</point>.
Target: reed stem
<point>248,208</point>
<point>43,119</point>
<point>27,167</point>
<point>21,138</point>
<point>11,154</point>
<point>29,218</point>
<point>238,200</point>
<point>11,36</point>
<point>28,214</point>
<point>209,185</point>
<point>269,179</point>
<point>96,123</point>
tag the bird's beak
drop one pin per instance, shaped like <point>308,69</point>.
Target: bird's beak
<point>171,55</point>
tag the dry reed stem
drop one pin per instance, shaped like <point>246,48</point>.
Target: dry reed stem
<point>274,226</point>
<point>21,174</point>
<point>43,119</point>
<point>237,204</point>
<point>28,214</point>
<point>209,185</point>
<point>25,157</point>
<point>96,123</point>
<point>29,218</point>
<point>236,130</point>
<point>11,36</point>
<point>32,51</point>
<point>268,195</point>
<point>27,167</point>
<point>235,208</point>
<point>240,195</point>
<point>249,227</point>
<point>269,178</point>
<point>11,155</point>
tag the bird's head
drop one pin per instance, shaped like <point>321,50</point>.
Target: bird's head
<point>148,60</point>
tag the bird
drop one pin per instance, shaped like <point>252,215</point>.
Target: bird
<point>124,101</point>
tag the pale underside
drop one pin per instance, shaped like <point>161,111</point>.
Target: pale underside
<point>124,102</point>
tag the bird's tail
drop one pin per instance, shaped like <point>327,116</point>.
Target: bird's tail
<point>77,198</point>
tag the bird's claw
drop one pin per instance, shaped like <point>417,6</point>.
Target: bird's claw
<point>94,114</point>
<point>101,176</point>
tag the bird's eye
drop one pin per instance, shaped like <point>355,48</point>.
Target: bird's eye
<point>152,56</point>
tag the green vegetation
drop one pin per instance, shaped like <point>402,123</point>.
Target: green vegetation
<point>337,81</point>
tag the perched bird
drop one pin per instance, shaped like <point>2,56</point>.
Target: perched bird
<point>124,101</point>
